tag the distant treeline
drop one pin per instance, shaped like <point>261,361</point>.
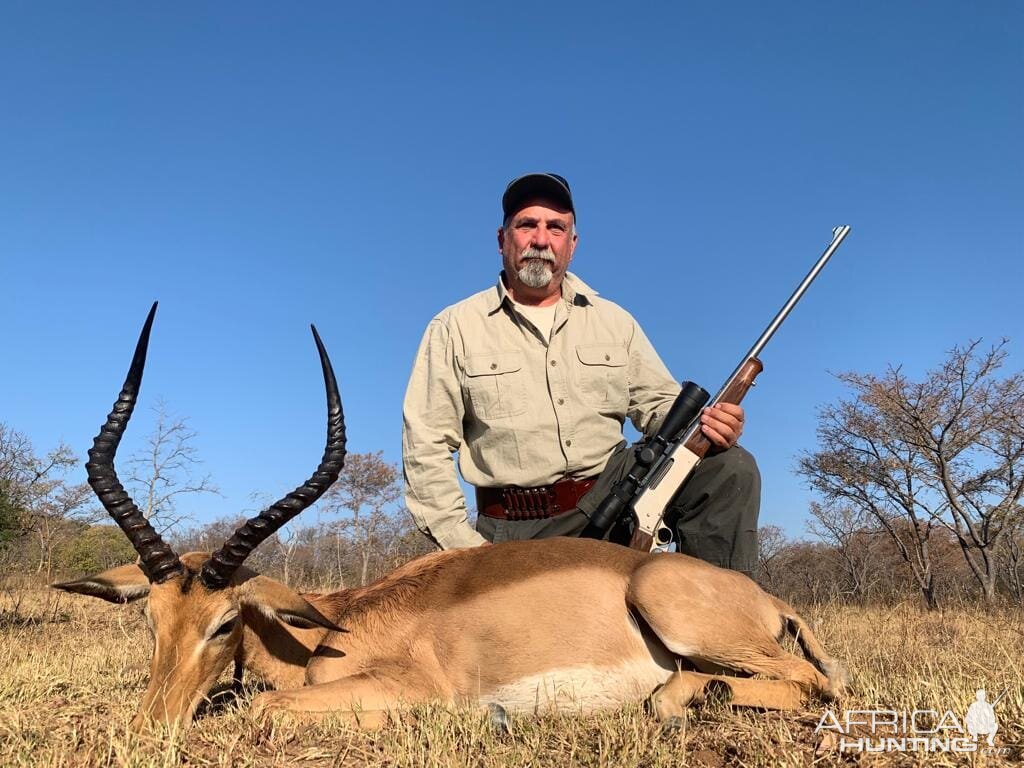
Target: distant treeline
<point>919,484</point>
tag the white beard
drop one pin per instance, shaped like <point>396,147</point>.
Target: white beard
<point>536,273</point>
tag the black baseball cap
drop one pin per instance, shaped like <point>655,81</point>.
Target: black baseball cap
<point>550,186</point>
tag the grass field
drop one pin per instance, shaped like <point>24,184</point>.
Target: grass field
<point>73,669</point>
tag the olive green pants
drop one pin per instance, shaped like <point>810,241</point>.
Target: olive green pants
<point>714,515</point>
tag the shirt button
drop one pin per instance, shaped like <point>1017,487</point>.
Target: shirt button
<point>494,366</point>
<point>568,443</point>
<point>561,401</point>
<point>554,363</point>
<point>607,357</point>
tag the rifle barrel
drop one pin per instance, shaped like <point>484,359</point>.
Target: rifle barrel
<point>838,234</point>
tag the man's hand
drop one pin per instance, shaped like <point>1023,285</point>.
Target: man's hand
<point>722,424</point>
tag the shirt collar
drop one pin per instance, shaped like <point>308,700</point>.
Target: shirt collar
<point>574,291</point>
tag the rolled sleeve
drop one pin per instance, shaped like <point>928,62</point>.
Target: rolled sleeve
<point>432,432</point>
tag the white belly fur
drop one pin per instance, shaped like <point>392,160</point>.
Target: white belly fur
<point>580,689</point>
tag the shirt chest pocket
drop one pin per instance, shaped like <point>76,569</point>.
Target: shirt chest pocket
<point>602,375</point>
<point>495,383</point>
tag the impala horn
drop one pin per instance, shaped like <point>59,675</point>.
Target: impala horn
<point>157,559</point>
<point>218,570</point>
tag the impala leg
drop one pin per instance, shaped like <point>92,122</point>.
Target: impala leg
<point>687,688</point>
<point>754,655</point>
<point>721,620</point>
<point>366,700</point>
<point>783,665</point>
<point>769,660</point>
<point>680,691</point>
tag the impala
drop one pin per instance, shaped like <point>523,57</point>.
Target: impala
<point>555,624</point>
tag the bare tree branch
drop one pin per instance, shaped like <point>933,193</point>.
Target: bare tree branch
<point>164,470</point>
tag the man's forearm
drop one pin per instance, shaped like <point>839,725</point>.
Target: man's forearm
<point>448,527</point>
<point>460,536</point>
<point>433,494</point>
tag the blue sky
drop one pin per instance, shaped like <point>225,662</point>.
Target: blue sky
<point>258,166</point>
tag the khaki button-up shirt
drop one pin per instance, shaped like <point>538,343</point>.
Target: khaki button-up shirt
<point>521,409</point>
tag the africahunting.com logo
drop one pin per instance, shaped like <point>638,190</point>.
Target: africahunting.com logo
<point>917,730</point>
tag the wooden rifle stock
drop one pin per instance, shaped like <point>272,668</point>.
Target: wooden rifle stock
<point>641,540</point>
<point>733,393</point>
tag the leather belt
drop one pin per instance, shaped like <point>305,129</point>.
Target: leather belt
<point>514,503</point>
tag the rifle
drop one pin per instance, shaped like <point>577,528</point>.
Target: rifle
<point>664,462</point>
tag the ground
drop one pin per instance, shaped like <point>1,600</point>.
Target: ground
<point>72,673</point>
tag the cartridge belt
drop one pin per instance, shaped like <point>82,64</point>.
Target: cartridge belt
<point>515,503</point>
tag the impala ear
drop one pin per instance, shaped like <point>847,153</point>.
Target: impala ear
<point>118,585</point>
<point>275,600</point>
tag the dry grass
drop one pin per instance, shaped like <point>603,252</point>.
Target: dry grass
<point>72,672</point>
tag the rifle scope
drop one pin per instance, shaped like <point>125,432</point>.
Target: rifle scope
<point>685,410</point>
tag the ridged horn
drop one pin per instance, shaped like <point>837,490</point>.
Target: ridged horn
<point>218,570</point>
<point>158,560</point>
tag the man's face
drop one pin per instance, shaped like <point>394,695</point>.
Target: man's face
<point>536,247</point>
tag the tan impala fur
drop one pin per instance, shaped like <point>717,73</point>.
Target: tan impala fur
<point>559,624</point>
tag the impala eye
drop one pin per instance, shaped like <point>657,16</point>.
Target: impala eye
<point>226,628</point>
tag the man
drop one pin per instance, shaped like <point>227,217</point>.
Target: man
<point>531,381</point>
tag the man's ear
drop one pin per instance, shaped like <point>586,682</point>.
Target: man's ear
<point>118,585</point>
<point>275,600</point>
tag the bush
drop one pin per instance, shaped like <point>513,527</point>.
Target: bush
<point>96,548</point>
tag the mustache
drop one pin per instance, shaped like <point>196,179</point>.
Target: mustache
<point>536,253</point>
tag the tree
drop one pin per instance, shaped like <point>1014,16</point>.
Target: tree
<point>18,469</point>
<point>804,571</point>
<point>364,497</point>
<point>94,548</point>
<point>40,501</point>
<point>771,542</point>
<point>58,507</point>
<point>946,451</point>
<point>287,543</point>
<point>1010,558</point>
<point>10,527</point>
<point>164,470</point>
<point>847,530</point>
